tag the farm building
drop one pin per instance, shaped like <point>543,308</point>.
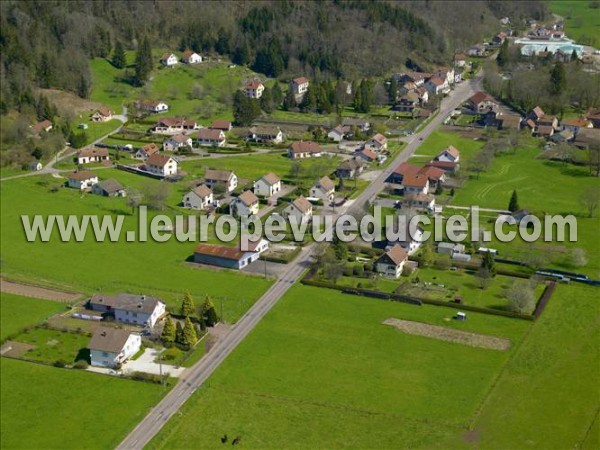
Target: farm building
<point>229,257</point>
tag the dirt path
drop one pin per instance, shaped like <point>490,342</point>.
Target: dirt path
<point>27,290</point>
<point>449,335</point>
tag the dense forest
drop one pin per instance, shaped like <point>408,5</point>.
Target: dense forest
<point>48,43</point>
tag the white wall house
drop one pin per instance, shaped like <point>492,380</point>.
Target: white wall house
<point>82,180</point>
<point>177,142</point>
<point>226,177</point>
<point>267,185</point>
<point>201,197</point>
<point>133,309</point>
<point>161,165</point>
<point>300,209</point>
<point>415,184</point>
<point>110,347</point>
<point>449,154</point>
<point>146,151</point>
<point>211,137</point>
<point>92,154</point>
<point>245,205</point>
<point>391,263</point>
<point>169,60</point>
<point>323,190</point>
<point>190,57</point>
<point>153,106</point>
<point>254,88</point>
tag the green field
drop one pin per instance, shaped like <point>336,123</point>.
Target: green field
<point>439,140</point>
<point>47,407</point>
<point>321,371</point>
<point>582,22</point>
<point>17,312</point>
<point>53,345</point>
<point>89,266</point>
<point>97,130</point>
<point>547,395</point>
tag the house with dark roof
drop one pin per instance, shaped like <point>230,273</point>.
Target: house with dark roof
<point>129,308</point>
<point>362,125</point>
<point>509,122</point>
<point>407,102</point>
<point>229,257</point>
<point>109,188</point>
<point>264,134</point>
<point>421,202</point>
<point>174,125</point>
<point>110,347</point>
<point>201,197</point>
<point>367,154</point>
<point>226,178</point>
<point>392,262</point>
<point>481,102</point>
<point>224,125</point>
<point>211,137</point>
<point>350,168</point>
<point>267,185</point>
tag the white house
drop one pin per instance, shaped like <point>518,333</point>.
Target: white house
<point>300,209</point>
<point>377,143</point>
<point>267,185</point>
<point>92,154</point>
<point>226,177</point>
<point>229,257</point>
<point>110,347</point>
<point>449,154</point>
<point>211,137</point>
<point>269,135</point>
<point>82,179</point>
<point>146,151</point>
<point>161,165</point>
<point>102,115</point>
<point>392,262</point>
<point>419,201</point>
<point>190,57</point>
<point>177,142</point>
<point>324,190</point>
<point>337,134</point>
<point>245,205</point>
<point>153,106</point>
<point>407,240</point>
<point>254,88</point>
<point>299,87</point>
<point>35,166</point>
<point>415,184</point>
<point>169,60</point>
<point>174,125</point>
<point>198,198</point>
<point>304,149</point>
<point>437,85</point>
<point>109,188</point>
<point>129,308</point>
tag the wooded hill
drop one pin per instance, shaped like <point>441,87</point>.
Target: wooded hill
<point>48,43</point>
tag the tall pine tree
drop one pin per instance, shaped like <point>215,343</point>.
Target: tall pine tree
<point>513,204</point>
<point>169,331</point>
<point>558,78</point>
<point>189,334</point>
<point>118,57</point>
<point>143,62</point>
<point>187,305</point>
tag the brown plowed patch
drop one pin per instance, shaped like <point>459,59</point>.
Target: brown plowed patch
<point>27,290</point>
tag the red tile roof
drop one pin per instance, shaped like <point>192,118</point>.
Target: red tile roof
<point>158,160</point>
<point>305,147</point>
<point>221,125</point>
<point>81,175</point>
<point>417,180</point>
<point>406,169</point>
<point>219,251</point>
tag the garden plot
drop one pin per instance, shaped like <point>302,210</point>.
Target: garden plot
<point>449,335</point>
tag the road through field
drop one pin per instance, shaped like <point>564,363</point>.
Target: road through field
<point>199,373</point>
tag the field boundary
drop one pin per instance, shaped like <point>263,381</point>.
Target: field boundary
<point>39,292</point>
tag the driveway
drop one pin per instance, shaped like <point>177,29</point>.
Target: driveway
<point>145,363</point>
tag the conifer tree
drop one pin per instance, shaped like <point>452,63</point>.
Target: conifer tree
<point>118,57</point>
<point>187,305</point>
<point>189,337</point>
<point>169,331</point>
<point>179,333</point>
<point>513,205</point>
<point>143,62</point>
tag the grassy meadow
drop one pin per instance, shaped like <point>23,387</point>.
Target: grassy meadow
<point>322,371</point>
<point>582,21</point>
<point>89,266</point>
<point>47,407</point>
<point>17,312</point>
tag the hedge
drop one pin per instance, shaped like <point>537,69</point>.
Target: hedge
<point>544,298</point>
<point>282,259</point>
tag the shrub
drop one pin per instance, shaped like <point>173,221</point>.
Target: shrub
<point>348,271</point>
<point>81,364</point>
<point>60,363</point>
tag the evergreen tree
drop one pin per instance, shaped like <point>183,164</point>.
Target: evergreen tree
<point>488,263</point>
<point>309,102</point>
<point>143,62</point>
<point>574,56</point>
<point>393,90</point>
<point>37,153</point>
<point>189,336</point>
<point>45,73</point>
<point>558,78</point>
<point>266,101</point>
<point>289,101</point>
<point>84,86</point>
<point>357,99</point>
<point>276,95</point>
<point>245,109</point>
<point>209,312</point>
<point>187,305</point>
<point>223,45</point>
<point>513,204</point>
<point>439,190</point>
<point>169,331</point>
<point>241,55</point>
<point>502,58</point>
<point>179,333</point>
<point>118,57</point>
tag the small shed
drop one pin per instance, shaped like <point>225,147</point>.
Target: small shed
<point>461,316</point>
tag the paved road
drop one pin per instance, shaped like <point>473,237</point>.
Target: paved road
<point>200,372</point>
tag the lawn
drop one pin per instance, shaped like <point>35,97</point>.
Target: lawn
<point>53,345</point>
<point>547,395</point>
<point>321,371</point>
<point>582,22</point>
<point>18,312</point>
<point>96,130</point>
<point>89,266</point>
<point>439,140</point>
<point>47,407</point>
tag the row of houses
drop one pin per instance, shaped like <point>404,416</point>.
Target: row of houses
<point>188,57</point>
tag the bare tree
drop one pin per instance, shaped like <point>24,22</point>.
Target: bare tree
<point>156,194</point>
<point>590,199</point>
<point>521,297</point>
<point>578,257</point>
<point>134,199</point>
